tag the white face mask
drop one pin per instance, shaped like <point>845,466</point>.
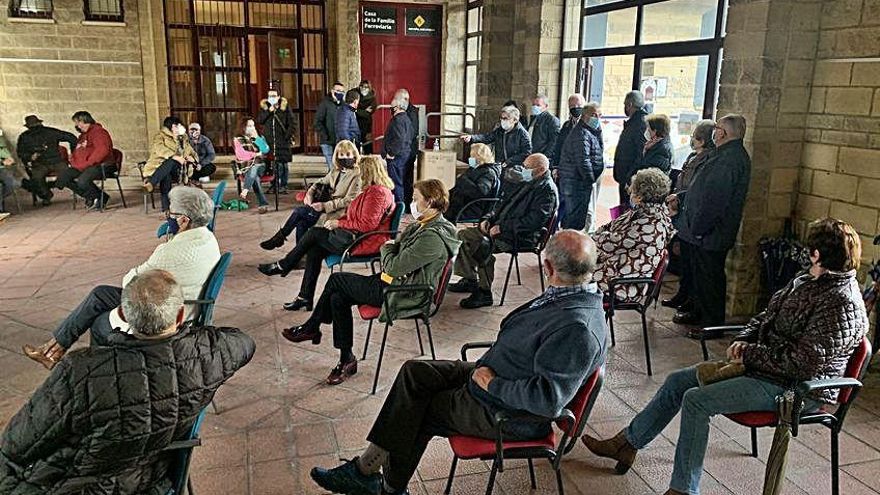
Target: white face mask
<point>273,100</point>
<point>414,208</point>
<point>250,131</point>
<point>180,130</point>
<point>506,125</point>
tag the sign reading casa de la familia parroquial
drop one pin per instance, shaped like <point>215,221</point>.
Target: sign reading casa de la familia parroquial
<point>380,20</point>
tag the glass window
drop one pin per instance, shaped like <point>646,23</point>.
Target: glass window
<point>606,81</point>
<point>313,53</point>
<point>180,47</point>
<point>572,82</point>
<point>312,17</point>
<point>610,29</point>
<point>571,33</point>
<point>213,12</point>
<point>103,10</point>
<point>277,15</point>
<point>679,20</point>
<point>35,9</point>
<point>475,20</point>
<point>183,88</point>
<point>471,86</point>
<point>473,48</point>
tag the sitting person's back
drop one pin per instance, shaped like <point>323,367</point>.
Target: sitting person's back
<point>632,245</point>
<point>481,180</point>
<point>101,420</point>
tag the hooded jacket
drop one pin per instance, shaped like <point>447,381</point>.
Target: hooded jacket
<point>164,146</point>
<point>279,128</point>
<point>99,422</point>
<point>581,160</point>
<point>93,147</point>
<point>511,147</point>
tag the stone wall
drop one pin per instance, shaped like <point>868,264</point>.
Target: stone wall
<point>53,69</point>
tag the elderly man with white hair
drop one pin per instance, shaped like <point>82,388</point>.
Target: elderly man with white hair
<point>631,144</point>
<point>510,139</point>
<point>189,255</point>
<point>398,143</point>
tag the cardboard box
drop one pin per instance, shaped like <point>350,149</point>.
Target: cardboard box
<point>437,165</point>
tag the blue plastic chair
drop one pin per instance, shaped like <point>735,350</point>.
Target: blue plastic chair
<point>162,231</point>
<point>340,260</point>
<point>205,315</point>
<point>180,469</point>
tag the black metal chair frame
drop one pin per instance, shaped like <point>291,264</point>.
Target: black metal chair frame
<point>372,260</point>
<point>239,169</point>
<point>104,177</point>
<point>538,250</point>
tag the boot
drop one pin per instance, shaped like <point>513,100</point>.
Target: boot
<point>47,354</point>
<point>274,242</point>
<point>617,448</point>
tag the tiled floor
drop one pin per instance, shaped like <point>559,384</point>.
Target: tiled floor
<point>277,419</point>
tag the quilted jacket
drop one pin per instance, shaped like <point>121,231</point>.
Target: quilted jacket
<point>99,422</point>
<point>580,160</point>
<point>807,332</point>
<point>370,211</point>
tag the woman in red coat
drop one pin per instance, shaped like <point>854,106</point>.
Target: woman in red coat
<point>370,211</point>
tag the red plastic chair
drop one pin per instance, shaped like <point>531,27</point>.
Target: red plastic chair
<point>436,296</point>
<point>651,295</point>
<point>849,385</point>
<point>538,250</point>
<point>553,447</point>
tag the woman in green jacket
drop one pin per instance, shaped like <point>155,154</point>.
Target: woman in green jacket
<point>417,257</point>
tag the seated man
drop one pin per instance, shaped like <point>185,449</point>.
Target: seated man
<point>100,421</point>
<point>94,149</point>
<point>37,149</point>
<point>545,351</point>
<point>205,150</point>
<point>171,159</point>
<point>190,256</point>
<point>808,332</point>
<point>515,223</point>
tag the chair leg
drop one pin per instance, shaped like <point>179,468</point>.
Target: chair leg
<point>532,475</point>
<point>277,186</point>
<point>703,346</point>
<point>610,318</point>
<point>507,279</point>
<point>367,340</point>
<point>381,353</point>
<point>492,474</point>
<point>419,334</point>
<point>518,279</point>
<point>647,344</point>
<point>430,339</point>
<point>448,489</point>
<point>835,463</point>
<point>189,487</point>
<point>754,442</point>
<point>121,194</point>
<point>559,485</point>
<point>101,204</point>
<point>541,271</point>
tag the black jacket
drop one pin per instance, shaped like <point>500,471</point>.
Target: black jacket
<point>44,142</point>
<point>544,130</point>
<point>398,136</point>
<point>581,159</point>
<point>346,125</point>
<point>630,147</point>
<point>712,207</point>
<point>412,112</point>
<point>527,209</point>
<point>204,148</point>
<point>325,120</point>
<point>560,140</point>
<point>658,156</point>
<point>511,147</point>
<point>279,127</point>
<point>482,181</point>
<point>365,118</point>
<point>107,413</point>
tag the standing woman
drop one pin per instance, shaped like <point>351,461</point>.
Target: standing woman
<point>364,114</point>
<point>326,199</point>
<point>658,149</point>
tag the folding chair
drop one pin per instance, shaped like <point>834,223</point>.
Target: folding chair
<point>652,293</point>
<point>538,250</point>
<point>571,423</point>
<point>339,260</point>
<point>184,451</point>
<point>490,204</point>
<point>240,168</point>
<point>116,160</point>
<point>435,300</point>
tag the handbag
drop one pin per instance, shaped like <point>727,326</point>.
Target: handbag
<point>715,371</point>
<point>323,192</point>
<point>340,239</point>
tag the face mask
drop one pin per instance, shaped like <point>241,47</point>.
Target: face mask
<point>339,95</point>
<point>346,162</point>
<point>526,174</point>
<point>472,162</point>
<point>414,208</point>
<point>180,131</point>
<point>506,125</point>
<point>576,112</point>
<point>594,123</point>
<point>648,135</point>
<point>273,100</point>
<point>173,226</point>
<point>365,91</point>
<point>250,131</point>
<point>536,110</point>
<point>79,129</point>
<point>403,105</point>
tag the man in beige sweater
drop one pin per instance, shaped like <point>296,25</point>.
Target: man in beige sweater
<point>190,256</point>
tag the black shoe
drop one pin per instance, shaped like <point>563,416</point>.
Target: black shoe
<point>283,191</point>
<point>464,286</point>
<point>274,242</point>
<point>270,269</point>
<point>298,304</point>
<point>46,201</point>
<point>675,302</point>
<point>302,333</point>
<point>347,479</point>
<point>686,318</point>
<point>478,299</point>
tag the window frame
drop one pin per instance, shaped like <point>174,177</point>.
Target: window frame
<point>89,16</point>
<point>15,11</point>
<point>472,6</point>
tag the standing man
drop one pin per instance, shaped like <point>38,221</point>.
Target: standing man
<point>276,117</point>
<point>631,145</point>
<point>509,139</point>
<point>398,139</point>
<point>205,149</point>
<point>580,163</point>
<point>38,149</point>
<point>543,127</point>
<point>409,177</point>
<point>325,121</point>
<point>365,109</point>
<point>93,150</point>
<point>346,118</point>
<point>712,211</point>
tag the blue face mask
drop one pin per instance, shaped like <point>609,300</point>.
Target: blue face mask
<point>472,162</point>
<point>536,110</point>
<point>173,226</point>
<point>594,123</point>
<point>526,174</point>
<point>403,105</point>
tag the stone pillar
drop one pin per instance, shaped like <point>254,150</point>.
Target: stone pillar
<point>344,45</point>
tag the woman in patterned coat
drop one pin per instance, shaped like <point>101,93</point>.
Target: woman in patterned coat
<point>632,244</point>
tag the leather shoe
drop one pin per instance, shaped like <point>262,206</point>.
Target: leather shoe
<point>478,299</point>
<point>347,478</point>
<point>47,354</point>
<point>686,318</point>
<point>276,241</point>
<point>674,302</point>
<point>674,492</point>
<point>342,371</point>
<point>616,448</point>
<point>464,286</point>
<point>302,333</point>
<point>270,269</point>
<point>298,304</point>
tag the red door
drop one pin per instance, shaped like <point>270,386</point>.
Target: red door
<point>400,48</point>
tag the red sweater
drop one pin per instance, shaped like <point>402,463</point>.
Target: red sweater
<point>365,214</point>
<point>93,147</point>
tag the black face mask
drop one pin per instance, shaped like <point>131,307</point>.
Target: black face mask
<point>346,162</point>
<point>575,112</point>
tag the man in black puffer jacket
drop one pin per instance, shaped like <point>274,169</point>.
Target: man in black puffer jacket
<point>100,422</point>
<point>580,164</point>
<point>510,139</point>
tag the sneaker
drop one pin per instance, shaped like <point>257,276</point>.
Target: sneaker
<point>92,205</point>
<point>204,180</point>
<point>464,286</point>
<point>347,479</point>
<point>480,298</point>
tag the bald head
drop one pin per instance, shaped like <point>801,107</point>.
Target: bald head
<point>572,257</point>
<point>538,163</point>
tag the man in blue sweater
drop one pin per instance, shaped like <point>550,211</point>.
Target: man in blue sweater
<point>545,351</point>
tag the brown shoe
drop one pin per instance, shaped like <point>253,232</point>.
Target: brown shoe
<point>262,210</point>
<point>47,354</point>
<point>617,448</point>
<point>673,492</point>
<point>341,372</point>
<point>302,333</point>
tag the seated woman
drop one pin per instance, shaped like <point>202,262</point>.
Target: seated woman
<point>808,332</point>
<point>190,255</point>
<point>337,190</point>
<point>633,243</point>
<point>250,149</point>
<point>416,257</point>
<point>169,152</point>
<point>477,182</point>
<point>658,151</point>
<point>370,211</point>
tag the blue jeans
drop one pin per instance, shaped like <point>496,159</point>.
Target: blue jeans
<point>327,150</point>
<point>283,172</point>
<point>301,219</point>
<point>252,182</point>
<point>681,391</point>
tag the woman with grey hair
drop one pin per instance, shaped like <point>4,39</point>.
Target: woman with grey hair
<point>633,244</point>
<point>189,255</point>
<point>510,140</point>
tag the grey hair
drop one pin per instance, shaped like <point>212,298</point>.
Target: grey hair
<point>403,93</point>
<point>636,98</point>
<point>650,184</point>
<point>734,123</point>
<point>151,302</point>
<point>543,98</point>
<point>194,203</point>
<point>573,256</point>
<point>703,131</point>
<point>511,112</point>
<point>591,107</point>
<point>579,99</point>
